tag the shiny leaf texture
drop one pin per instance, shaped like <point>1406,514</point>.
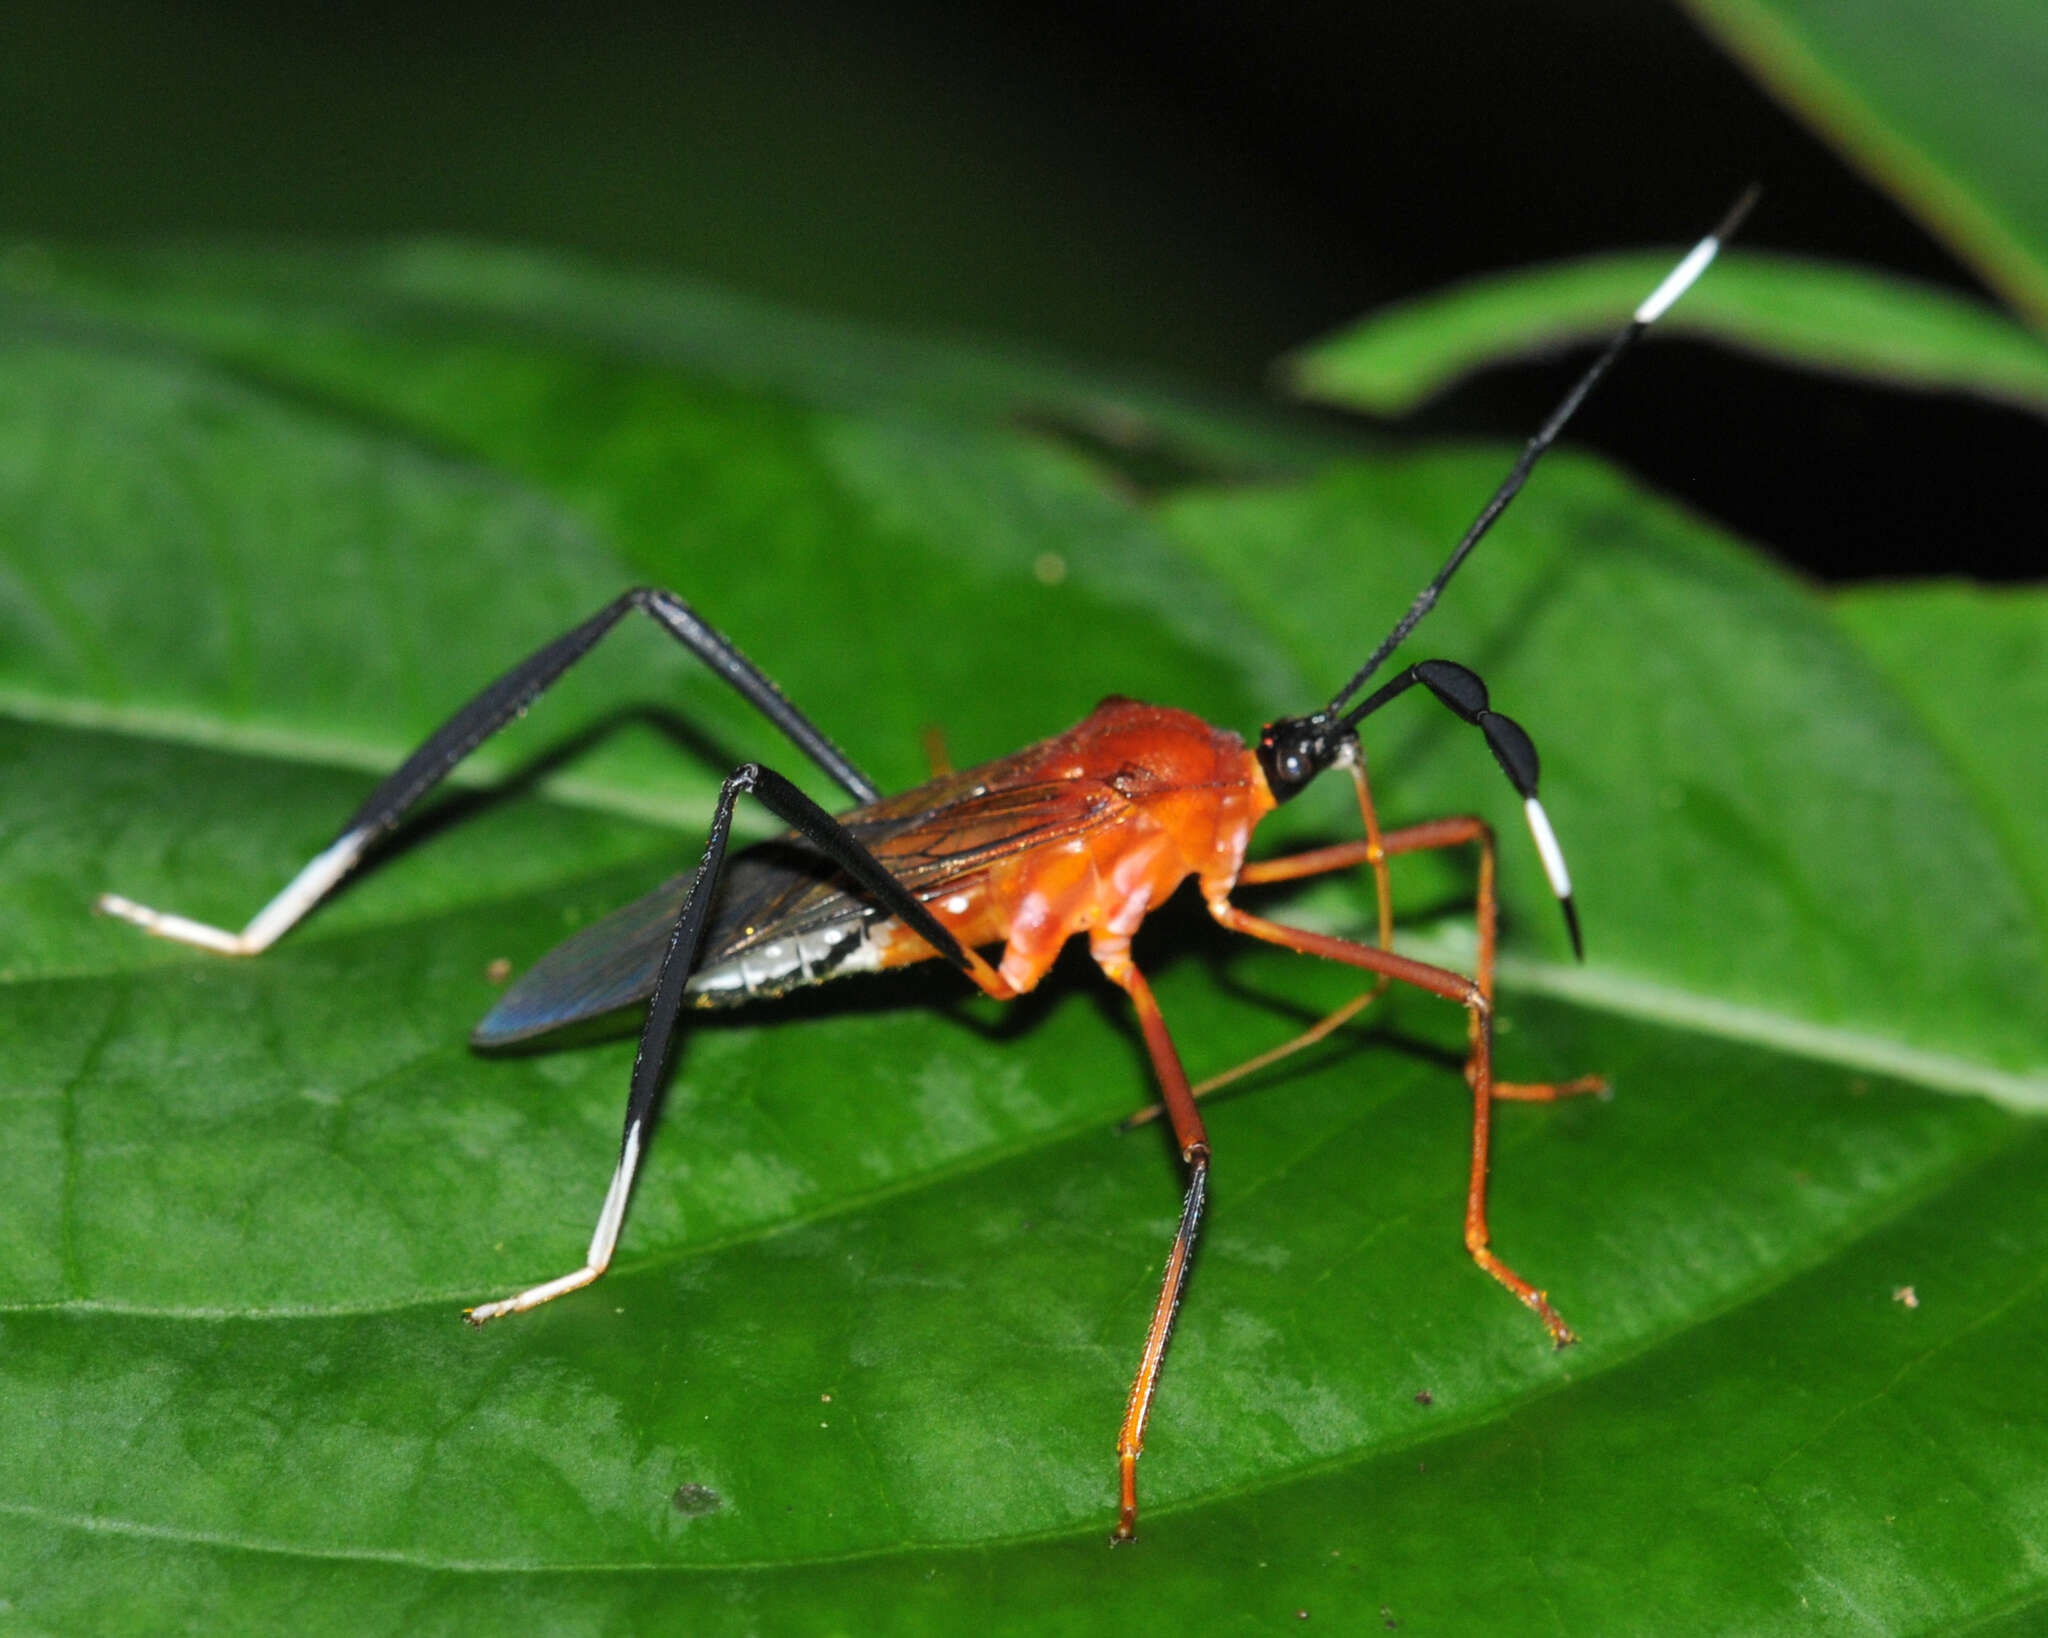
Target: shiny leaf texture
<point>860,1364</point>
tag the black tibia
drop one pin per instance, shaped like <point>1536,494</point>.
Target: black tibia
<point>518,688</point>
<point>831,838</point>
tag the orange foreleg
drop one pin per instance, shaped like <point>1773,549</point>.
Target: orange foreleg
<point>1375,849</point>
<point>1475,994</point>
<point>1479,1072</point>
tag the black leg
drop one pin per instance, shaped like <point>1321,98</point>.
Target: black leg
<point>468,728</point>
<point>664,1011</point>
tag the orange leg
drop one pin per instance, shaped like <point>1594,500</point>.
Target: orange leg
<point>1375,850</point>
<point>1474,994</point>
<point>1316,862</point>
<point>1439,833</point>
<point>1194,1150</point>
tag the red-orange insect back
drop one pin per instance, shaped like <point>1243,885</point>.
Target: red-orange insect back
<point>1083,833</point>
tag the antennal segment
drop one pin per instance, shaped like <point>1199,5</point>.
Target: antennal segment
<point>1680,279</point>
<point>1463,692</point>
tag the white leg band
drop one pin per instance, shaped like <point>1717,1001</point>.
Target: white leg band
<point>602,1244</point>
<point>269,924</point>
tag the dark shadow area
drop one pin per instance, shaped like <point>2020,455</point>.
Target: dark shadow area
<point>1846,480</point>
<point>1191,191</point>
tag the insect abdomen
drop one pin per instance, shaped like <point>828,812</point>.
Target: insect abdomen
<point>790,962</point>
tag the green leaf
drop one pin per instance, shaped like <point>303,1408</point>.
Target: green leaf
<point>860,1364</point>
<point>1940,104</point>
<point>1811,314</point>
<point>1969,661</point>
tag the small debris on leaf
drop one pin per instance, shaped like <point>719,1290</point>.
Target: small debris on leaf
<point>695,1500</point>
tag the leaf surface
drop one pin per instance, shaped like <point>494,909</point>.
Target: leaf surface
<point>860,1364</point>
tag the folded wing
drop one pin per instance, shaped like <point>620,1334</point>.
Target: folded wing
<point>783,896</point>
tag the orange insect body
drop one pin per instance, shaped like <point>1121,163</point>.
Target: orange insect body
<point>1166,797</point>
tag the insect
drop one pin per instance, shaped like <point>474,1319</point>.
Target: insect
<point>1082,833</point>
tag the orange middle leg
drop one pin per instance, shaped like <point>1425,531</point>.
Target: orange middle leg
<point>1194,1150</point>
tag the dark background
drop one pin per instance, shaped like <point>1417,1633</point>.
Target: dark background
<point>1188,189</point>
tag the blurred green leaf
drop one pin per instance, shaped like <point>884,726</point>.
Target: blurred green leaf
<point>1811,314</point>
<point>1972,663</point>
<point>885,1276</point>
<point>1940,103</point>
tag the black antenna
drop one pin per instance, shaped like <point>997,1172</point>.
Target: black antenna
<point>1676,283</point>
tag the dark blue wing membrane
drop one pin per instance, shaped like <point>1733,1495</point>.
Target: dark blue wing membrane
<point>610,965</point>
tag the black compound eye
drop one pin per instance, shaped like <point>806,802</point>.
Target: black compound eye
<point>1288,752</point>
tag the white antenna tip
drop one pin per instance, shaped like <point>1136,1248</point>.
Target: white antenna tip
<point>1546,846</point>
<point>1679,280</point>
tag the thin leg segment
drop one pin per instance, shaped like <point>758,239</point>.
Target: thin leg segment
<point>1316,862</point>
<point>1457,832</point>
<point>1474,994</point>
<point>1194,1150</point>
<point>468,728</point>
<point>664,1011</point>
<point>1375,849</point>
